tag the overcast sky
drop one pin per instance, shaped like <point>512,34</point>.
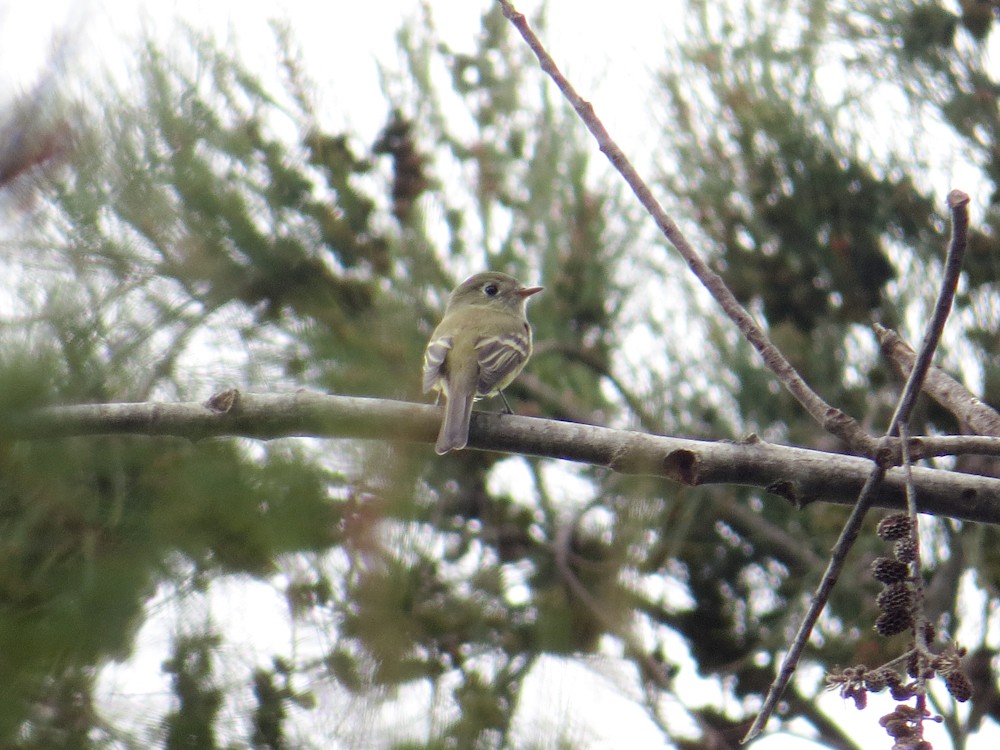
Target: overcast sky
<point>341,41</point>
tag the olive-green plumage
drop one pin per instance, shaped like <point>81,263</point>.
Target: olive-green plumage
<point>478,348</point>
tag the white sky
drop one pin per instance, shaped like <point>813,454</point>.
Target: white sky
<point>611,56</point>
<point>341,40</point>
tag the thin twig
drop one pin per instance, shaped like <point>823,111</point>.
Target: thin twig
<point>833,420</point>
<point>953,445</point>
<point>958,202</point>
<point>646,419</point>
<point>799,557</point>
<point>838,557</point>
<point>561,549</point>
<point>916,571</point>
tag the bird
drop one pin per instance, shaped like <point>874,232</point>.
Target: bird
<point>481,344</point>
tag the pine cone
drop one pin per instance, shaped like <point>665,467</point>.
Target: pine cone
<point>896,526</point>
<point>888,570</point>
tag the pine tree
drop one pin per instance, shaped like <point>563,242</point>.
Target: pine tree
<point>172,240</point>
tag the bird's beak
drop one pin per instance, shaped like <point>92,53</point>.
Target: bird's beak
<point>526,291</point>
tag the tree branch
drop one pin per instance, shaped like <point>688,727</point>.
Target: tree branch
<point>952,445</point>
<point>958,202</point>
<point>940,386</point>
<point>833,420</point>
<point>799,475</point>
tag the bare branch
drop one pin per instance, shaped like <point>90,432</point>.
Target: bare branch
<point>916,566</point>
<point>575,353</point>
<point>953,445</point>
<point>798,556</point>
<point>561,551</point>
<point>838,557</point>
<point>940,386</point>
<point>799,475</point>
<point>833,420</point>
<point>958,202</point>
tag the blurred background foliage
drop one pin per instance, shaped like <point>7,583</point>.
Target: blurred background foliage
<point>198,230</point>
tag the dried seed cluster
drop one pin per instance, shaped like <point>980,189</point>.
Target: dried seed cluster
<point>889,570</point>
<point>895,603</point>
<point>899,611</point>
<point>895,527</point>
<point>906,726</point>
<point>949,666</point>
<point>856,682</point>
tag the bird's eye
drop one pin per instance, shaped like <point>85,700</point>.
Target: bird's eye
<point>490,290</point>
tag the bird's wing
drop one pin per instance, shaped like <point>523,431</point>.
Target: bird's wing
<point>434,357</point>
<point>500,359</point>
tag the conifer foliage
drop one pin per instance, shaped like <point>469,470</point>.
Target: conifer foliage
<point>199,228</point>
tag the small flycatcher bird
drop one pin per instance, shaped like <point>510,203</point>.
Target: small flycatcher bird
<point>477,350</point>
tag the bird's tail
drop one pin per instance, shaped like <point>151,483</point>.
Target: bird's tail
<point>454,432</point>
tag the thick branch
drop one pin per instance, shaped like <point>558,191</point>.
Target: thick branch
<point>799,475</point>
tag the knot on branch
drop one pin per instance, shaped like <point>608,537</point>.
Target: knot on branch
<point>682,466</point>
<point>888,452</point>
<point>224,402</point>
<point>847,429</point>
<point>792,492</point>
